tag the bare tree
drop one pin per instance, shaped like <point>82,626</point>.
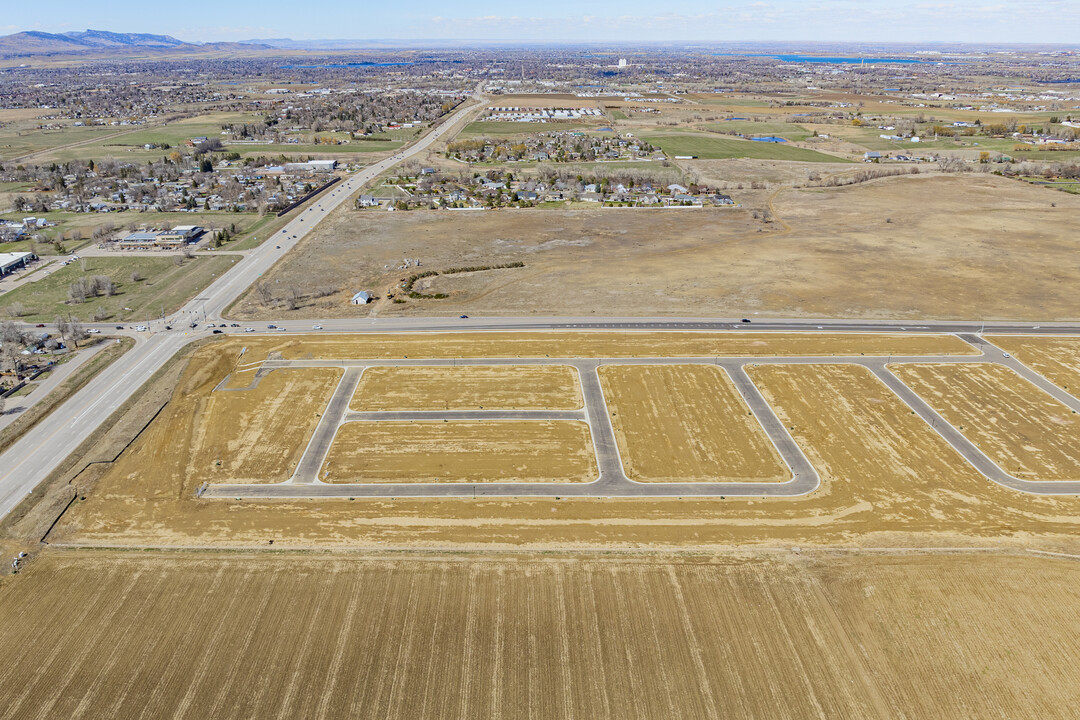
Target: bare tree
<point>136,276</point>
<point>70,329</point>
<point>262,290</point>
<point>189,252</point>
<point>16,309</point>
<point>12,341</point>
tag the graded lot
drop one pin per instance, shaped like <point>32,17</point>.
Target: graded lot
<point>461,451</point>
<point>1055,358</point>
<point>1028,433</point>
<point>686,423</point>
<point>105,633</point>
<point>522,387</point>
<point>887,479</point>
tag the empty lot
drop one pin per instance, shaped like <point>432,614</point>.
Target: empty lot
<point>679,423</point>
<point>1055,358</point>
<point>1029,434</point>
<point>461,451</point>
<point>549,387</point>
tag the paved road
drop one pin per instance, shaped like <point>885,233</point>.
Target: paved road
<point>16,406</point>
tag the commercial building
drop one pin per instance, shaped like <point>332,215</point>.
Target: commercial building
<point>12,261</point>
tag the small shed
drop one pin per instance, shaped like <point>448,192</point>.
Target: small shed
<point>361,298</point>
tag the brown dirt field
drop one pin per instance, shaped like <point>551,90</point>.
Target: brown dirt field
<point>686,423</point>
<point>461,451</point>
<point>589,345</point>
<point>521,387</point>
<point>100,634</point>
<point>1026,432</point>
<point>888,480</point>
<point>1055,358</point>
<point>951,251</point>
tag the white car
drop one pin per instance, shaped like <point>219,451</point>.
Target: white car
<point>1005,355</point>
<point>316,327</point>
<point>93,330</point>
<point>140,328</point>
<point>249,329</point>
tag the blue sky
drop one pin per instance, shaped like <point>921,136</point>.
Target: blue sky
<point>998,21</point>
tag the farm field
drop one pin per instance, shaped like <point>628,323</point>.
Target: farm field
<point>162,286</point>
<point>686,423</point>
<point>715,147</point>
<point>950,251</point>
<point>1028,433</point>
<point>1055,358</point>
<point>95,633</point>
<point>887,477</point>
<point>522,387</point>
<point>461,451</point>
<point>786,130</point>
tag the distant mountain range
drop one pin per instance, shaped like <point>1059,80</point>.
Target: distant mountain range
<point>32,42</point>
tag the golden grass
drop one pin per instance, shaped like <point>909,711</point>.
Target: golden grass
<point>1028,433</point>
<point>461,451</point>
<point>686,423</point>
<point>520,387</point>
<point>1055,358</point>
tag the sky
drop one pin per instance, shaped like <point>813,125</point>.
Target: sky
<point>605,21</point>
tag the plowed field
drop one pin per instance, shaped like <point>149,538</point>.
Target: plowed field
<point>521,387</point>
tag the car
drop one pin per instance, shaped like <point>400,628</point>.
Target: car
<point>1005,355</point>
<point>93,330</point>
<point>249,329</point>
<point>235,325</point>
<point>464,317</point>
<point>168,327</point>
<point>280,329</point>
<point>278,247</point>
<point>119,327</point>
<point>217,332</point>
<point>746,320</point>
<point>316,327</point>
<point>271,327</point>
<point>40,325</point>
<point>211,325</point>
<point>140,328</point>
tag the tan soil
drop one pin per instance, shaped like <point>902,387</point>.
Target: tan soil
<point>1028,433</point>
<point>1055,358</point>
<point>461,451</point>
<point>686,423</point>
<point>522,387</point>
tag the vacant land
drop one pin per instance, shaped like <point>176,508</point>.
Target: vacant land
<point>1055,358</point>
<point>1029,434</point>
<point>145,287</point>
<point>461,451</point>
<point>686,423</point>
<point>602,344</point>
<point>522,387</point>
<point>899,248</point>
<point>258,435</point>
<point>708,146</point>
<point>93,634</point>
<point>887,479</point>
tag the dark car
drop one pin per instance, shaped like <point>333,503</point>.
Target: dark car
<point>216,332</point>
<point>278,247</point>
<point>40,325</point>
<point>464,317</point>
<point>119,327</point>
<point>271,327</point>
<point>746,319</point>
<point>235,325</point>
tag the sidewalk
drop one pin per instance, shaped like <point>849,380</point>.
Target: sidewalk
<point>16,406</point>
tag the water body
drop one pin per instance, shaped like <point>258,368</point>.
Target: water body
<point>832,60</point>
<point>769,139</point>
<point>336,66</point>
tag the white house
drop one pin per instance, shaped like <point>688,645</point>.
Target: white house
<point>361,298</point>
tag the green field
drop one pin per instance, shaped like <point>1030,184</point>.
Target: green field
<point>500,128</point>
<point>164,287</point>
<point>788,131</point>
<point>711,147</point>
<point>16,142</point>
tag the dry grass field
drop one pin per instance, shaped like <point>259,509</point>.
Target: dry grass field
<point>106,634</point>
<point>686,423</point>
<point>461,451</point>
<point>521,387</point>
<point>887,480</point>
<point>600,344</point>
<point>1026,432</point>
<point>951,250</point>
<point>1055,358</point>
<point>255,435</point>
